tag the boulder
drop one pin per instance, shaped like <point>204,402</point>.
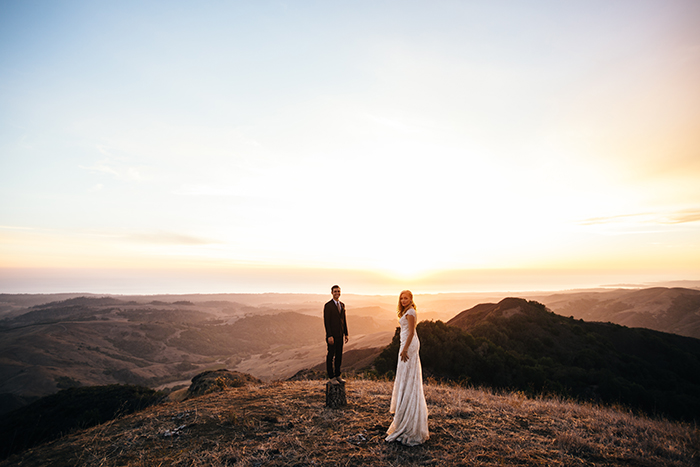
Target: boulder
<point>219,380</point>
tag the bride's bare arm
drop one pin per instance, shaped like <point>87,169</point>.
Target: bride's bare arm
<point>411,331</point>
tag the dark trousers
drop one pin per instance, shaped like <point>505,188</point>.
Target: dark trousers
<point>335,352</point>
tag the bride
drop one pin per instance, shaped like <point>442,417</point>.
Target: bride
<point>410,425</point>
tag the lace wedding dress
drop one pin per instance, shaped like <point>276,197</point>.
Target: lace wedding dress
<point>410,425</point>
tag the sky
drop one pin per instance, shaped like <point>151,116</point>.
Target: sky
<point>272,146</point>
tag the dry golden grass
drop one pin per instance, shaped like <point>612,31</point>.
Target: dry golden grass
<point>287,424</point>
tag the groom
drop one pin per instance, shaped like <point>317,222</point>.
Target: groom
<point>336,332</point>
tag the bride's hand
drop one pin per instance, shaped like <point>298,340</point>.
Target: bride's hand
<point>404,356</point>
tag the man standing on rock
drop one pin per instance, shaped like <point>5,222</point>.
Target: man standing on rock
<point>336,333</point>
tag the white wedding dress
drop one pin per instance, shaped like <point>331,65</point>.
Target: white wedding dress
<point>410,425</point>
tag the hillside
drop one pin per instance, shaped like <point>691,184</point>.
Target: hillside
<point>88,341</point>
<point>675,310</point>
<point>518,344</point>
<point>55,341</point>
<point>286,423</point>
<point>106,341</point>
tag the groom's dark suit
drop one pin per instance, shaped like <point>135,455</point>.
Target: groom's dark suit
<point>337,328</point>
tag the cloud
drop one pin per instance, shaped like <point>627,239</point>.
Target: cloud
<point>675,217</point>
<point>609,219</point>
<point>126,173</point>
<point>682,217</point>
<point>101,167</point>
<point>205,190</point>
<point>15,227</point>
<point>168,238</point>
<point>108,165</point>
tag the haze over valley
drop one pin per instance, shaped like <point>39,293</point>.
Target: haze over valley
<point>49,342</point>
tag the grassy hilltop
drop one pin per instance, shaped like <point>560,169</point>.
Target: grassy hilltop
<point>287,424</point>
<point>516,347</point>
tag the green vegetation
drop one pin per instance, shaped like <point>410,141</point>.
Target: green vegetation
<point>69,410</point>
<point>535,351</point>
<point>65,382</point>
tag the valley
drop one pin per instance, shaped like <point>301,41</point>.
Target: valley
<point>51,342</point>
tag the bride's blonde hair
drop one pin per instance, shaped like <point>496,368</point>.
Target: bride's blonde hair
<point>400,310</point>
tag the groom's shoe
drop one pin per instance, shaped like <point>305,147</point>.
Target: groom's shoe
<point>334,381</point>
<point>340,380</point>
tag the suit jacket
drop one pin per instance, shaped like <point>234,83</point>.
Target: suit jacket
<point>335,322</point>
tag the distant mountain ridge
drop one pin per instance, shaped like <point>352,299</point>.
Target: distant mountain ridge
<point>675,310</point>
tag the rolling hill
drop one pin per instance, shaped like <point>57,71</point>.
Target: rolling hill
<point>675,310</point>
<point>88,341</point>
<point>55,341</point>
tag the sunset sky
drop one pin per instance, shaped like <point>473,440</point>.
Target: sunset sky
<point>278,146</point>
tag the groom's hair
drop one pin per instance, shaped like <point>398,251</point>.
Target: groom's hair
<point>335,287</point>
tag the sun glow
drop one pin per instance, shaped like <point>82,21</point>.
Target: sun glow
<point>450,138</point>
